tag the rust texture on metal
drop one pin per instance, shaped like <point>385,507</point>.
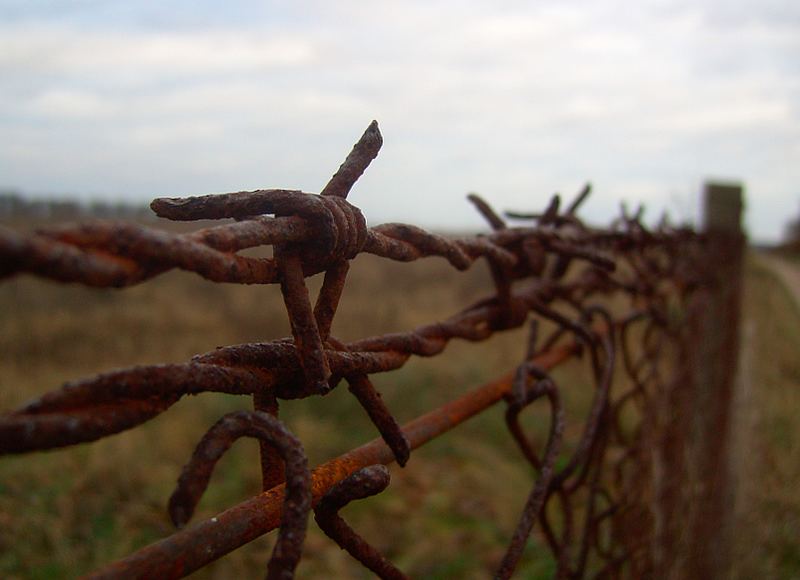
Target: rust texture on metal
<point>297,497</point>
<point>363,483</point>
<point>597,508</point>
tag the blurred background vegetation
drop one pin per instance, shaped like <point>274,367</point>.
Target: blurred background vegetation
<point>449,514</point>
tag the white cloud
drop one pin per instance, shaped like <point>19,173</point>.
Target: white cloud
<point>54,49</point>
<point>515,103</point>
<point>70,104</point>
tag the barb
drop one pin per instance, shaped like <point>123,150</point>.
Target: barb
<point>297,503</point>
<point>209,540</point>
<point>387,425</point>
<point>356,163</point>
<point>363,483</point>
<point>597,510</point>
<point>524,395</point>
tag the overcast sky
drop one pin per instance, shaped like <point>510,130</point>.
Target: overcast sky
<point>514,100</point>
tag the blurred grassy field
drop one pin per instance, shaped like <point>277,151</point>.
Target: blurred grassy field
<point>768,503</point>
<point>449,514</point>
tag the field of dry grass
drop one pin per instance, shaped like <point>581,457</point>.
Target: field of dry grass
<point>447,515</point>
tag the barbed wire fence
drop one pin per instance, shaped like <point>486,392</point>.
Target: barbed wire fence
<point>636,497</point>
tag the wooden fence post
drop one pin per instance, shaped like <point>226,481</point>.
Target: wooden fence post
<point>713,362</point>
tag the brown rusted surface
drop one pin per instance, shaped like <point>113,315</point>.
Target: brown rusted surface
<point>357,161</point>
<point>209,540</point>
<point>543,387</point>
<point>89,409</point>
<point>602,511</point>
<point>364,483</point>
<point>272,465</point>
<point>363,390</point>
<point>297,498</point>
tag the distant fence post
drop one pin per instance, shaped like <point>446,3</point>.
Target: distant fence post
<point>713,359</point>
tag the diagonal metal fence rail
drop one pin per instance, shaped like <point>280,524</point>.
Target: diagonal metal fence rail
<point>619,297</point>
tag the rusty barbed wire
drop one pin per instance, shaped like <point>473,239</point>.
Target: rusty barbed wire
<point>595,510</point>
<point>297,503</point>
<point>364,483</point>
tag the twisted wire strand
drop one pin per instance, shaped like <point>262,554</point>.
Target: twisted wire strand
<point>532,270</point>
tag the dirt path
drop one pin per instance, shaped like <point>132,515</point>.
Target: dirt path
<point>788,272</point>
<point>765,436</point>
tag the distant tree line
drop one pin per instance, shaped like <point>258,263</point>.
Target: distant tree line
<point>15,206</point>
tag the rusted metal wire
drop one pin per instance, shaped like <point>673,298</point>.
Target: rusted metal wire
<point>363,483</point>
<point>597,511</point>
<point>209,540</point>
<point>297,502</point>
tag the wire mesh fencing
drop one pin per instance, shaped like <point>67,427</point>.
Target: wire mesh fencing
<point>619,298</point>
